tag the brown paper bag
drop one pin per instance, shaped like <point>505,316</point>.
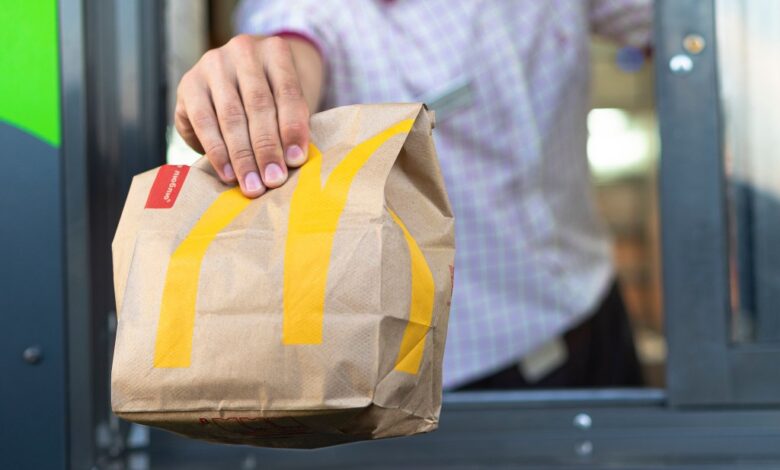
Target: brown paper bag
<point>311,316</point>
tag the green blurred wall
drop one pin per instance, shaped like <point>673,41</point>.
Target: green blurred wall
<point>29,73</point>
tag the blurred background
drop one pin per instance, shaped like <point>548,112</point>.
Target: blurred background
<point>703,304</point>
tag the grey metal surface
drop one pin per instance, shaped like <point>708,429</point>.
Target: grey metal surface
<point>638,431</point>
<point>765,233</point>
<point>741,203</point>
<point>125,98</point>
<point>80,375</point>
<point>32,299</point>
<point>126,119</point>
<point>693,217</point>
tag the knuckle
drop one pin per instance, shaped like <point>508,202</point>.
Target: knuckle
<point>290,90</point>
<point>184,82</point>
<point>216,150</point>
<point>211,64</point>
<point>201,118</point>
<point>241,41</point>
<point>232,113</point>
<point>210,57</point>
<point>257,99</point>
<point>293,130</point>
<point>242,47</point>
<point>183,127</point>
<point>275,44</point>
<point>179,114</point>
<point>265,145</point>
<point>243,158</point>
<point>187,85</point>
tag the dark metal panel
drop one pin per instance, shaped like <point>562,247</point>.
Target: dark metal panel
<point>126,124</point>
<point>80,376</point>
<point>32,391</point>
<point>694,225</point>
<point>102,156</point>
<point>766,260</point>
<point>527,399</point>
<point>755,374</point>
<point>140,90</point>
<point>569,431</point>
<point>741,197</point>
<point>127,120</point>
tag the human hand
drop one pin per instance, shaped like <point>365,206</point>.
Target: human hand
<point>243,106</point>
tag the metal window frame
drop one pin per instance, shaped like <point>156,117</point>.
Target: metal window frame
<point>79,345</point>
<point>705,367</point>
<point>582,428</point>
<point>113,127</point>
<point>108,45</point>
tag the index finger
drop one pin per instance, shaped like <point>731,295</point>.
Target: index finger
<point>198,110</point>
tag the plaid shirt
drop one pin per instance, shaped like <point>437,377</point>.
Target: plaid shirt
<point>512,79</point>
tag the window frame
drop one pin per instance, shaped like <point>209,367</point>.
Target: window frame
<point>704,367</point>
<point>698,418</point>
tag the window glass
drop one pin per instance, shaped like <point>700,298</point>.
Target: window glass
<point>749,74</point>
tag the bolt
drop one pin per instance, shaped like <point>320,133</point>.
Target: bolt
<point>680,64</point>
<point>249,463</point>
<point>583,421</point>
<point>694,43</point>
<point>584,448</point>
<point>32,355</point>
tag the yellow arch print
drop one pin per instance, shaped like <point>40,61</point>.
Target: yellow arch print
<point>314,215</point>
<point>313,219</point>
<point>420,307</point>
<point>177,312</point>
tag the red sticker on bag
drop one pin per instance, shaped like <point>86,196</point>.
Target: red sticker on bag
<point>166,186</point>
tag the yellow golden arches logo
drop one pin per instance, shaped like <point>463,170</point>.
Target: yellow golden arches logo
<point>420,308</point>
<point>177,312</point>
<point>314,214</point>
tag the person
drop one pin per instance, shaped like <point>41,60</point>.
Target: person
<point>535,302</point>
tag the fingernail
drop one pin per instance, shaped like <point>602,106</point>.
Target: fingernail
<point>252,182</point>
<point>295,155</point>
<point>227,170</point>
<point>273,174</point>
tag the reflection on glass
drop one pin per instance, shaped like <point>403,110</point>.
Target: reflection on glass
<point>749,73</point>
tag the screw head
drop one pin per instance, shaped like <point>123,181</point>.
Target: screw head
<point>680,64</point>
<point>33,355</point>
<point>584,448</point>
<point>249,462</point>
<point>694,43</point>
<point>583,421</point>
